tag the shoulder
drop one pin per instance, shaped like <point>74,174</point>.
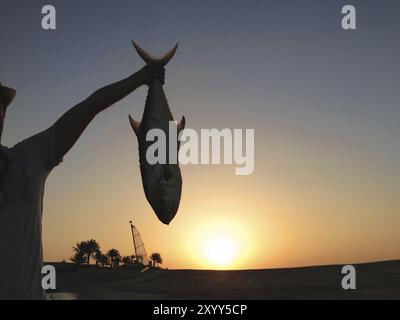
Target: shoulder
<point>37,140</point>
<point>39,148</point>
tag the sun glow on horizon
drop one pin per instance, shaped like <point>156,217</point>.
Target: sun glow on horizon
<point>220,250</point>
<point>219,244</point>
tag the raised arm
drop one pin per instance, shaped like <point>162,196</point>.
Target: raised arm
<point>72,124</point>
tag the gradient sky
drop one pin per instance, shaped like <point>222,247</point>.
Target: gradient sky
<point>323,103</point>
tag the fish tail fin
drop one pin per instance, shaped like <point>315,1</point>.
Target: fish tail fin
<point>181,124</point>
<point>135,125</point>
<point>150,59</point>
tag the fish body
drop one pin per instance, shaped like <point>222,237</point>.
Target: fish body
<point>162,182</point>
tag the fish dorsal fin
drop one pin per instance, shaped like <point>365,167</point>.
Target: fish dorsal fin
<point>135,125</point>
<point>150,59</point>
<point>182,124</point>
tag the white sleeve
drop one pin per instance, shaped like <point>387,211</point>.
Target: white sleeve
<point>41,149</point>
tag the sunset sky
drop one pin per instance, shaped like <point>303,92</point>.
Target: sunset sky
<point>324,104</point>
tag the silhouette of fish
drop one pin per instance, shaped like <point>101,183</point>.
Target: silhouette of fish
<point>162,183</point>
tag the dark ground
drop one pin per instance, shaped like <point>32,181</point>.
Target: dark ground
<point>379,280</point>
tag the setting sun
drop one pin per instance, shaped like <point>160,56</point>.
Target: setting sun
<point>219,244</point>
<point>220,250</point>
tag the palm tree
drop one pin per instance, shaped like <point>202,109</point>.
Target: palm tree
<point>97,257</point>
<point>88,248</point>
<point>80,247</point>
<point>78,258</point>
<point>156,258</point>
<point>91,247</point>
<point>114,256</point>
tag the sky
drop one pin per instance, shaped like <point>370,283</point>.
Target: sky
<point>323,103</point>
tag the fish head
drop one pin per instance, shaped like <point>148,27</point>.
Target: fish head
<point>163,192</point>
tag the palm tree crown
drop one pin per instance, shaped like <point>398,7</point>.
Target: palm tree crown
<point>114,256</point>
<point>156,257</point>
<point>87,248</point>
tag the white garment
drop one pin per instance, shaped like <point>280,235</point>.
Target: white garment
<point>23,172</point>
